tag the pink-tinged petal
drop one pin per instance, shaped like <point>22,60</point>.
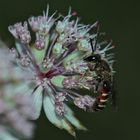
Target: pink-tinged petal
<point>37,102</point>
<point>61,123</point>
<point>72,119</point>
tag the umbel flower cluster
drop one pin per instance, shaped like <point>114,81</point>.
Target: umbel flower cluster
<point>16,108</point>
<point>49,63</point>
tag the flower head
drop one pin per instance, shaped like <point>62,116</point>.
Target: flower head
<point>16,109</point>
<point>56,67</point>
<point>15,113</point>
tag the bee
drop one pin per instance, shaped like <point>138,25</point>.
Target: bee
<point>104,78</point>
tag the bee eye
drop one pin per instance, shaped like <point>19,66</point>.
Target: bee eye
<point>96,57</point>
<point>93,58</point>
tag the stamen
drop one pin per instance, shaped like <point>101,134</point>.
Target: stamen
<point>48,52</point>
<point>65,54</point>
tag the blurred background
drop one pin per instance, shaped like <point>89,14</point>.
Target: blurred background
<point>121,21</point>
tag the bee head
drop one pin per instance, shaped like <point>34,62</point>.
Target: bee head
<point>95,58</point>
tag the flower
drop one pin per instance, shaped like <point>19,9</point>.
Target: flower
<point>16,109</point>
<point>15,115</point>
<point>54,65</point>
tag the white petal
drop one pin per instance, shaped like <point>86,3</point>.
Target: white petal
<point>37,101</point>
<point>68,127</point>
<point>61,123</point>
<point>19,47</point>
<point>72,119</point>
<point>50,113</point>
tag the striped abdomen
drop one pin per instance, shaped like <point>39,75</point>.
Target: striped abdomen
<point>102,99</point>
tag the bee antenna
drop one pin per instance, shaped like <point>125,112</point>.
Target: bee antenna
<point>97,36</point>
<point>91,44</point>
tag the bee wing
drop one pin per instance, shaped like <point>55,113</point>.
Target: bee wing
<point>61,123</point>
<point>72,119</point>
<point>37,101</point>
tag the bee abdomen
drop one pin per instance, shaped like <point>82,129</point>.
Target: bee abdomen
<point>102,99</point>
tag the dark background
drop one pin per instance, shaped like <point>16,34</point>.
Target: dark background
<point>121,21</point>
